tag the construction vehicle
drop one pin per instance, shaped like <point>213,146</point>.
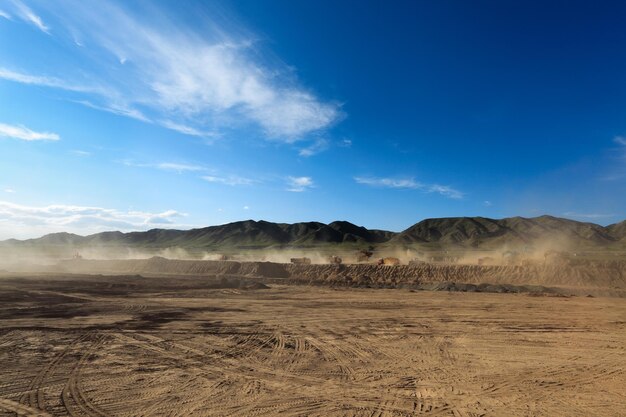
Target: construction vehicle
<point>487,260</point>
<point>510,257</point>
<point>388,261</point>
<point>444,259</point>
<point>555,257</point>
<point>364,255</point>
<point>301,261</point>
<point>334,260</point>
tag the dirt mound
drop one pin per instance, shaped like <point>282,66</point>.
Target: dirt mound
<point>592,274</point>
<point>609,274</point>
<point>264,269</point>
<point>159,265</point>
<point>491,288</point>
<point>255,286</point>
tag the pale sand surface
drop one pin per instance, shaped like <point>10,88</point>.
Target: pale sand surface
<point>140,349</point>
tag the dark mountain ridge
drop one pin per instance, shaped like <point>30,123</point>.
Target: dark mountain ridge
<point>481,231</point>
<point>453,231</point>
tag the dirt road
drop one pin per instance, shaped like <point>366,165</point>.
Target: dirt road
<point>128,346</point>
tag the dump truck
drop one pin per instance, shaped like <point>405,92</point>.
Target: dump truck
<point>301,261</point>
<point>388,261</point>
<point>334,260</point>
<point>444,259</point>
<point>364,255</point>
<point>510,257</point>
<point>487,260</point>
<point>555,257</point>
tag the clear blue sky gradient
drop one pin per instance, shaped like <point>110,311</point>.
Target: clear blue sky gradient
<point>170,114</point>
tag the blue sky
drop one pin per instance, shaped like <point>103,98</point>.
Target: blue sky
<point>135,115</point>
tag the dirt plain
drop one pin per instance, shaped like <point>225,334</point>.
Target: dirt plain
<point>82,345</point>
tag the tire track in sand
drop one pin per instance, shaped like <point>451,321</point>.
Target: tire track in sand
<point>73,395</point>
<point>34,397</point>
<point>21,409</point>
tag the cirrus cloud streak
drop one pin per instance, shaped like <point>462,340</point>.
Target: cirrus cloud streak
<point>299,184</point>
<point>190,81</point>
<point>16,219</point>
<point>23,133</point>
<point>409,184</point>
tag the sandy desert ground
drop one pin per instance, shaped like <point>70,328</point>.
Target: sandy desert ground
<point>133,346</point>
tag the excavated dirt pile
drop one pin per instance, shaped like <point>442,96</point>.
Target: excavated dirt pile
<point>159,265</point>
<point>589,274</point>
<point>605,274</point>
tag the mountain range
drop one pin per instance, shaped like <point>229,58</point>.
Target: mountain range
<point>471,232</point>
<point>477,232</point>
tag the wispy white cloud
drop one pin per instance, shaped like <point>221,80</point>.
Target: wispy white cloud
<point>287,114</point>
<point>616,168</point>
<point>620,140</point>
<point>5,15</point>
<point>172,166</point>
<point>19,220</point>
<point>299,184</point>
<point>320,145</point>
<point>165,217</point>
<point>24,133</point>
<point>444,190</point>
<point>487,203</point>
<point>232,180</point>
<point>165,166</point>
<point>410,184</point>
<point>9,190</point>
<point>197,82</point>
<point>78,152</point>
<point>46,81</point>
<point>134,113</point>
<point>345,143</point>
<point>389,182</point>
<point>187,130</point>
<point>27,15</point>
<point>118,109</point>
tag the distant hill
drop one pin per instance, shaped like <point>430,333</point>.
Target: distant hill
<point>475,232</point>
<point>484,232</point>
<point>618,230</point>
<point>243,234</point>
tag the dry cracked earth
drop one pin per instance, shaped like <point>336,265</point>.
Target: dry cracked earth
<point>130,346</point>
